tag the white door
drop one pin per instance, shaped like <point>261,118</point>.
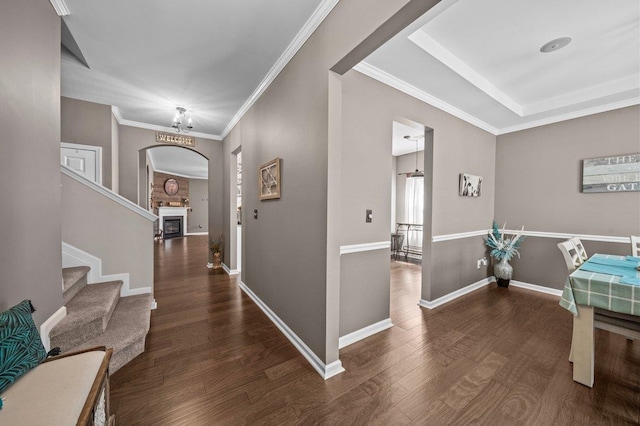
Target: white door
<point>82,159</point>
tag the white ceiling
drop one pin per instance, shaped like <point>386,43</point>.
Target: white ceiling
<point>179,161</point>
<point>480,60</point>
<point>476,59</point>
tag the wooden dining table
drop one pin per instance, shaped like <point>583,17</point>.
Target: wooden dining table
<point>608,282</point>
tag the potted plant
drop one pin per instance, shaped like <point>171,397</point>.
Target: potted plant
<point>216,245</point>
<point>502,250</point>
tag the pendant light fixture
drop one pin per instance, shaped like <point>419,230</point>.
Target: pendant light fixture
<point>181,122</point>
<point>417,173</point>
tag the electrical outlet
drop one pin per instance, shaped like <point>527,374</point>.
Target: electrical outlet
<point>368,216</point>
<point>481,262</point>
<point>478,263</point>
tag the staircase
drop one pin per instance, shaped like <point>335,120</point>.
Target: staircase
<point>98,316</point>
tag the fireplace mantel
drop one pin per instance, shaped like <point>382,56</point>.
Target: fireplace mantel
<point>173,211</point>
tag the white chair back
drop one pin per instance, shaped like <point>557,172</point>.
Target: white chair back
<point>570,254</point>
<point>579,248</point>
<point>635,245</point>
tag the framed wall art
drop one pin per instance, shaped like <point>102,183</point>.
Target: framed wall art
<point>269,180</point>
<point>619,173</point>
<point>470,185</point>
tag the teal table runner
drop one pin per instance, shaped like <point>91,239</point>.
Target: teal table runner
<point>604,281</point>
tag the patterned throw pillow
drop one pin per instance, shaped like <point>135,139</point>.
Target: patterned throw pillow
<point>20,345</point>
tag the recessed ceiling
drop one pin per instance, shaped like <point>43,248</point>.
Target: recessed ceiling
<point>179,161</point>
<point>481,60</point>
<point>401,145</point>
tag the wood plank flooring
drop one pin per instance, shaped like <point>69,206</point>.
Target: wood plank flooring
<point>495,356</point>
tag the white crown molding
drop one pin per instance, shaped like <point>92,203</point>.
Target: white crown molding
<point>116,113</point>
<point>357,248</point>
<point>435,49</point>
<point>109,194</point>
<point>570,115</point>
<point>303,35</point>
<point>60,7</point>
<point>364,332</point>
<point>326,371</point>
<point>396,83</point>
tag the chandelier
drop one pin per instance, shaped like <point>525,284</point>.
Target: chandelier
<point>181,122</point>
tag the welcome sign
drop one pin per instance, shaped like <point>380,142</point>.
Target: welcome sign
<point>175,139</point>
<point>620,173</point>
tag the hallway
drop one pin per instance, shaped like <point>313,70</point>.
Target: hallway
<point>494,356</point>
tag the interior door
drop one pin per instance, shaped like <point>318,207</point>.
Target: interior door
<point>82,159</point>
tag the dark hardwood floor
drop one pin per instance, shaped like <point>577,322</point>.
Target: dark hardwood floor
<point>495,356</point>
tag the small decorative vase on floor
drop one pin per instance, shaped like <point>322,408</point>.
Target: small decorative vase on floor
<point>217,260</point>
<point>503,272</point>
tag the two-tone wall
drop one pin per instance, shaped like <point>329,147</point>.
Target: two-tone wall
<point>538,185</point>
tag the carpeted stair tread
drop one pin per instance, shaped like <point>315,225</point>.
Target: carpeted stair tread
<point>73,280</point>
<point>126,331</point>
<point>88,314</point>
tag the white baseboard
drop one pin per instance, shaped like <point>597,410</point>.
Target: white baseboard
<point>326,371</point>
<point>187,234</point>
<point>73,256</point>
<point>454,295</point>
<point>230,271</point>
<point>364,332</point>
<point>48,325</point>
<point>535,287</point>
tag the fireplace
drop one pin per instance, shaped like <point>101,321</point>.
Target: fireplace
<point>172,227</point>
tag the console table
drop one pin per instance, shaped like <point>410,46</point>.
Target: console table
<point>406,229</point>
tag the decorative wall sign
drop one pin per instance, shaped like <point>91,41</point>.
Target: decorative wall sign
<point>620,173</point>
<point>470,185</point>
<point>175,139</point>
<point>171,187</point>
<point>269,180</point>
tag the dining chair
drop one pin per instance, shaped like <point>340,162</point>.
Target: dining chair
<point>579,248</point>
<point>570,254</point>
<point>635,245</point>
<point>627,325</point>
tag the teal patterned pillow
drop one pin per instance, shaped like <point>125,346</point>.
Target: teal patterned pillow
<point>20,345</point>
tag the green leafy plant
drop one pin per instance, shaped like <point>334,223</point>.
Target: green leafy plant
<point>502,247</point>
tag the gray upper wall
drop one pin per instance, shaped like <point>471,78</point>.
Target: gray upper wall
<point>31,254</point>
<point>88,123</point>
<point>539,176</point>
<point>538,185</point>
<point>285,249</point>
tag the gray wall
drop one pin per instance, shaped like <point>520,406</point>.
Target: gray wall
<point>88,123</point>
<point>285,249</point>
<point>538,185</point>
<point>121,238</point>
<point>30,256</point>
<point>199,203</point>
<point>370,108</point>
<point>133,139</point>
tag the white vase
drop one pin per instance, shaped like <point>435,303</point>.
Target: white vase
<point>503,272</point>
